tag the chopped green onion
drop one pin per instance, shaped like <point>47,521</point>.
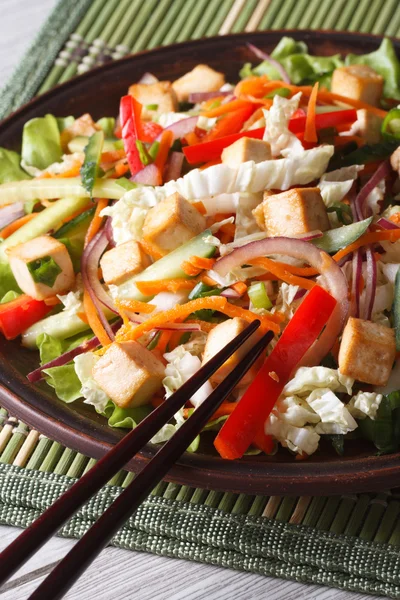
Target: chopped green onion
<point>201,290</point>
<point>343,212</point>
<point>153,150</point>
<point>44,270</point>
<point>143,153</point>
<point>154,341</point>
<point>391,125</point>
<point>151,106</point>
<point>258,295</point>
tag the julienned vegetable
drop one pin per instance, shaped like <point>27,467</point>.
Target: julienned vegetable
<point>291,216</point>
<point>243,424</point>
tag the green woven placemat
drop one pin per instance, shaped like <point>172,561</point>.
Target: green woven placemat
<point>349,541</point>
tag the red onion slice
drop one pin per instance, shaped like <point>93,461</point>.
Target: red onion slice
<point>309,235</point>
<point>65,358</point>
<point>181,128</point>
<point>148,79</point>
<point>149,175</point>
<point>90,264</point>
<point>230,293</point>
<point>386,223</point>
<point>10,213</point>
<point>382,171</point>
<point>356,283</point>
<point>264,56</point>
<point>174,168</point>
<point>203,96</point>
<point>332,279</point>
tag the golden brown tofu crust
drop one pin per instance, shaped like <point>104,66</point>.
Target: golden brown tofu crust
<point>122,262</point>
<point>201,79</point>
<point>367,351</point>
<point>161,94</point>
<point>246,149</point>
<point>358,82</point>
<point>293,212</point>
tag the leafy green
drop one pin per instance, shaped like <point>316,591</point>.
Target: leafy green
<point>75,251</point>
<point>64,122</point>
<point>49,347</point>
<point>41,144</point>
<point>363,155</point>
<point>65,382</point>
<point>384,431</point>
<point>90,167</point>
<point>44,270</point>
<point>391,125</point>
<point>126,418</point>
<point>145,157</point>
<point>298,64</point>
<point>385,62</point>
<point>9,297</point>
<point>337,442</point>
<point>10,169</point>
<point>107,124</point>
<point>343,212</point>
<point>7,280</point>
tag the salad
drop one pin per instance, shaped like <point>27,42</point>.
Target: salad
<point>135,247</point>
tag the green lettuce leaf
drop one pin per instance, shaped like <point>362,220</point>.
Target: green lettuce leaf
<point>7,280</point>
<point>107,124</point>
<point>126,418</point>
<point>65,382</point>
<point>385,62</point>
<point>10,169</point>
<point>9,297</point>
<point>41,142</point>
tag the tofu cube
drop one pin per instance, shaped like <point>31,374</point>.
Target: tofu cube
<point>395,160</point>
<point>358,82</point>
<point>84,125</point>
<point>369,126</point>
<point>122,262</point>
<point>129,374</point>
<point>171,223</point>
<point>293,212</point>
<point>219,337</point>
<point>246,149</point>
<point>201,79</point>
<point>367,351</point>
<point>23,259</point>
<point>159,96</point>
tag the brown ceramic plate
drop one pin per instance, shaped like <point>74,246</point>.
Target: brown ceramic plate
<point>77,425</point>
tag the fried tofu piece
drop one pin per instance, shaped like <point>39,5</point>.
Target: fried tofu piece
<point>41,260</point>
<point>159,96</point>
<point>395,160</point>
<point>129,374</point>
<point>369,126</point>
<point>293,212</point>
<point>246,149</point>
<point>367,351</point>
<point>358,82</point>
<point>171,223</point>
<point>84,126</point>
<point>201,79</point>
<point>122,262</point>
<point>219,337</point>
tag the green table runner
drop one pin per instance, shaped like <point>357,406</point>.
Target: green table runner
<point>349,541</point>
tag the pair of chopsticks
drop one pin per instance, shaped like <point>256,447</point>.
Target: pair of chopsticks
<point>63,576</point>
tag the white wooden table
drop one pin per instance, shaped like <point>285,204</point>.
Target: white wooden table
<point>117,573</point>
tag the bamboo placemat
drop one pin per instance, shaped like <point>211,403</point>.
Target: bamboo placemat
<point>348,541</point>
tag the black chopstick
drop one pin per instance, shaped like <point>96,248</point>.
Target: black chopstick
<point>63,576</point>
<point>30,540</point>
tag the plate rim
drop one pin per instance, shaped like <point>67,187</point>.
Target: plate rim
<point>209,472</point>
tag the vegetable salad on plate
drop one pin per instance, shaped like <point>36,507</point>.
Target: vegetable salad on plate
<point>134,248</point>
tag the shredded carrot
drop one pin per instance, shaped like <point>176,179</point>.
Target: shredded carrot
<point>395,218</point>
<point>270,322</point>
<point>282,273</point>
<point>167,138</point>
<point>202,263</point>
<point>151,288</point>
<point>121,168</point>
<point>78,212</point>
<point>225,238</point>
<point>113,156</point>
<point>257,86</point>
<point>390,235</point>
<point>163,341</point>
<point>239,287</point>
<point>97,220</point>
<point>310,133</point>
<point>200,207</point>
<point>94,321</point>
<point>135,306</point>
<point>83,317</point>
<point>217,218</point>
<point>15,225</point>
<point>190,269</point>
<point>334,98</point>
<point>150,249</point>
<point>192,138</point>
<point>52,301</point>
<point>222,109</point>
<point>207,280</point>
<point>228,228</point>
<point>181,311</point>
<point>208,103</point>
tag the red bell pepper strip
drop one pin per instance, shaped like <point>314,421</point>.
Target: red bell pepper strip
<point>21,313</point>
<point>211,150</point>
<point>129,113</point>
<point>150,131</point>
<point>242,426</point>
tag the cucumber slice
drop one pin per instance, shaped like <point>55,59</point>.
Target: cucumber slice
<point>336,239</point>
<point>76,228</point>
<point>78,144</point>
<point>168,267</point>
<point>60,326</point>
<point>48,189</point>
<point>48,219</point>
<point>90,167</point>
